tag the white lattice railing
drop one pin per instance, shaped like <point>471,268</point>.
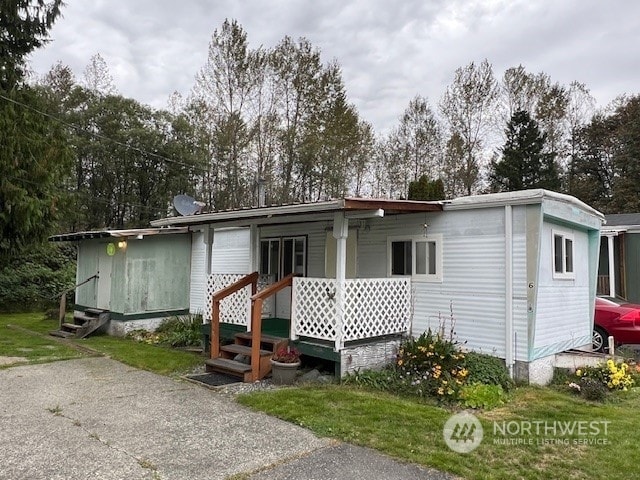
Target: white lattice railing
<point>372,307</point>
<point>236,308</point>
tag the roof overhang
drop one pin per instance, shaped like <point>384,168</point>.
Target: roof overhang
<point>136,232</point>
<point>303,212</point>
<point>521,197</point>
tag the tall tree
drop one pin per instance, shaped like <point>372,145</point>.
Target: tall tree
<point>224,85</point>
<point>416,142</point>
<point>524,163</point>
<point>97,78</point>
<point>34,157</point>
<point>469,106</point>
<point>24,27</point>
<point>426,189</point>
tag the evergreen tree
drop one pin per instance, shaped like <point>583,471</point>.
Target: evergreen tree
<point>524,163</point>
<point>426,189</point>
<point>34,158</point>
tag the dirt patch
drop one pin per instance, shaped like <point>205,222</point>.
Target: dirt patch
<point>11,360</point>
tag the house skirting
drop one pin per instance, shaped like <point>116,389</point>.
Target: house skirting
<point>121,323</point>
<point>540,371</point>
<point>368,356</point>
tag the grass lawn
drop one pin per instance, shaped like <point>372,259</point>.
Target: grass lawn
<point>21,337</point>
<point>25,335</point>
<point>157,359</point>
<point>412,431</point>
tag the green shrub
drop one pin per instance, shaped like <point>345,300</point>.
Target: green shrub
<point>592,389</point>
<point>34,279</point>
<point>386,379</point>
<point>182,331</point>
<point>487,369</point>
<point>613,375</point>
<point>480,395</point>
<point>431,365</point>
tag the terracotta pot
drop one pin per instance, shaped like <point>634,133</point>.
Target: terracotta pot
<point>284,373</point>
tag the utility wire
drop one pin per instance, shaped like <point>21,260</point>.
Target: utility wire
<point>99,135</point>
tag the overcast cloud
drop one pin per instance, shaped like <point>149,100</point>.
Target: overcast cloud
<point>389,51</point>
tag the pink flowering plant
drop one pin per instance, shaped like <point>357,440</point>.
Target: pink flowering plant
<point>286,355</point>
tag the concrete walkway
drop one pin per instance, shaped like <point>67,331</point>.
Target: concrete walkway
<point>97,418</point>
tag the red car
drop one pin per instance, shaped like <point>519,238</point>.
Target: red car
<point>618,318</point>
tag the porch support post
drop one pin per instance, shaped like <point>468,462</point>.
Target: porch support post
<point>612,270</point>
<point>254,266</point>
<point>254,237</point>
<point>340,233</point>
<point>208,241</point>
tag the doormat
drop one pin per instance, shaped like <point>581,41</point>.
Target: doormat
<point>214,379</point>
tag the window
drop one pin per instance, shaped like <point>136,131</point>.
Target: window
<point>270,257</point>
<point>280,257</point>
<point>562,255</point>
<point>420,257</point>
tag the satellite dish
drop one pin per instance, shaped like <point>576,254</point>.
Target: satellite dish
<point>186,205</point>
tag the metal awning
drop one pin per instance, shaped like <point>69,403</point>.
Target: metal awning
<point>135,232</point>
<point>301,212</point>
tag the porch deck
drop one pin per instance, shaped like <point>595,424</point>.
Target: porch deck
<point>330,320</point>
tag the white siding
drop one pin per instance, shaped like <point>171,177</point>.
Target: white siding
<point>473,285</point>
<point>316,237</point>
<point>563,312</point>
<point>198,273</point>
<point>231,254</point>
<point>231,251</point>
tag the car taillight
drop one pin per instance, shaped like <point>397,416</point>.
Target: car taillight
<point>631,316</point>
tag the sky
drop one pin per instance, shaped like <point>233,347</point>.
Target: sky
<point>389,51</point>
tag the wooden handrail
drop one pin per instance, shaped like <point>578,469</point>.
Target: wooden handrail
<point>257,300</point>
<point>63,299</point>
<point>250,279</point>
<point>274,287</point>
<point>234,287</point>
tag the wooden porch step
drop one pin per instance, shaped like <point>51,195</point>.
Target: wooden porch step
<point>274,342</point>
<point>243,350</point>
<point>95,311</point>
<point>83,318</point>
<point>62,334</point>
<point>231,367</point>
<point>71,326</point>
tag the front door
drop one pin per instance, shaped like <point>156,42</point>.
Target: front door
<point>103,295</point>
<point>279,257</point>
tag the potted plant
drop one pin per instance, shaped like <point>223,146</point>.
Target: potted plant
<point>284,365</point>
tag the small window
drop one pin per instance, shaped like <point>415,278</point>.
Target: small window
<point>280,257</point>
<point>419,257</point>
<point>562,255</point>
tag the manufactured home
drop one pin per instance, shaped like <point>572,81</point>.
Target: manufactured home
<point>513,273</point>
<point>619,270</point>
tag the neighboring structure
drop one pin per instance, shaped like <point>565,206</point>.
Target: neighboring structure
<point>139,276</point>
<point>515,273</point>
<point>619,269</point>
